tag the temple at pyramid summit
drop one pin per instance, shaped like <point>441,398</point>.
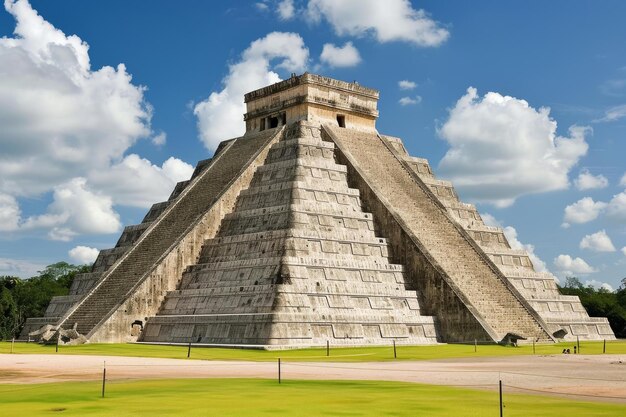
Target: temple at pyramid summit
<point>314,227</point>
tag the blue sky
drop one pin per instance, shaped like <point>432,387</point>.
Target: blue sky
<point>86,145</point>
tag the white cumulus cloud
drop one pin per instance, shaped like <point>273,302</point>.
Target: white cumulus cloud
<point>598,284</point>
<point>407,85</point>
<point>568,266</point>
<point>390,20</point>
<point>220,115</point>
<point>159,139</point>
<point>587,181</point>
<point>59,117</point>
<point>150,183</point>
<point>64,125</point>
<point>261,6</point>
<point>20,268</point>
<point>76,209</point>
<point>597,242</point>
<point>613,114</point>
<point>501,148</point>
<point>583,211</point>
<point>83,254</point>
<point>286,10</point>
<point>616,208</point>
<point>622,181</point>
<point>407,101</point>
<point>624,250</point>
<point>10,213</point>
<point>490,220</point>
<point>340,56</point>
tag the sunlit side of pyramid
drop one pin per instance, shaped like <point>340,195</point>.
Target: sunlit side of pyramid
<point>312,227</point>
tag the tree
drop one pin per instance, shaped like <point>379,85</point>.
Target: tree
<point>573,282</point>
<point>9,321</point>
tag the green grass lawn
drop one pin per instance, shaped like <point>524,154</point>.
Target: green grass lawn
<point>262,397</point>
<point>361,354</point>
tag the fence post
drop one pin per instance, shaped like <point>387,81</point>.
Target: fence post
<point>533,346</point>
<point>500,397</point>
<point>104,377</point>
<point>395,355</point>
<point>12,343</point>
<point>578,343</point>
<point>475,345</point>
<point>279,380</point>
<point>604,347</point>
<point>328,348</point>
<point>189,350</point>
<point>57,345</point>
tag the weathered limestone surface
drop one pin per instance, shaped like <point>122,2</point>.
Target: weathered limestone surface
<point>296,263</point>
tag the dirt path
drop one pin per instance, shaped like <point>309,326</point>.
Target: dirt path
<point>594,378</point>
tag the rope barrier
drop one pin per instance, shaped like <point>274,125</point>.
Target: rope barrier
<point>564,377</point>
<point>564,393</point>
<point>96,372</point>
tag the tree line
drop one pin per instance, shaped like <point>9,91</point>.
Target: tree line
<point>23,298</point>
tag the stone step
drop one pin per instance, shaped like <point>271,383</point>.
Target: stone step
<point>155,211</point>
<point>309,162</point>
<point>304,287</point>
<point>286,193</point>
<point>178,189</point>
<point>108,257</point>
<point>200,167</point>
<point>291,328</point>
<point>300,148</point>
<point>301,186</point>
<point>299,172</point>
<point>82,283</point>
<point>294,240</point>
<point>313,263</point>
<point>131,234</point>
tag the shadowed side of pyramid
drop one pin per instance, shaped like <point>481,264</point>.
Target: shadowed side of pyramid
<point>133,280</point>
<point>84,282</point>
<point>564,315</point>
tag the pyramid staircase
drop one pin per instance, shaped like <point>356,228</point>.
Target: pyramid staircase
<point>129,281</point>
<point>538,288</point>
<point>444,246</point>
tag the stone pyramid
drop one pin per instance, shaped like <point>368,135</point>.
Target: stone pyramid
<point>310,228</point>
<point>297,261</point>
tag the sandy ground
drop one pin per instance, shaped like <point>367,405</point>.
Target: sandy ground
<point>593,378</point>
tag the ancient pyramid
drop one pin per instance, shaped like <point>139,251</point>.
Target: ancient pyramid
<point>313,227</point>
